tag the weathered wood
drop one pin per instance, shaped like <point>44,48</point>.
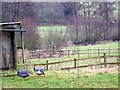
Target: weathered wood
<point>60,53</point>
<point>98,52</point>
<point>99,55</point>
<point>9,43</point>
<point>74,62</point>
<point>13,30</point>
<point>68,53</point>
<point>88,66</point>
<point>7,50</point>
<point>109,51</point>
<point>105,60</point>
<point>88,52</point>
<point>22,45</point>
<point>44,64</point>
<point>63,61</point>
<point>12,53</point>
<point>47,65</point>
<point>15,52</point>
<point>1,61</point>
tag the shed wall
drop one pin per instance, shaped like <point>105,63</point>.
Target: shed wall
<point>0,49</point>
<point>7,50</point>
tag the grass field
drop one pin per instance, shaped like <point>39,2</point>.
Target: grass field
<point>84,78</point>
<point>83,49</point>
<point>63,79</point>
<point>44,30</point>
<point>104,45</point>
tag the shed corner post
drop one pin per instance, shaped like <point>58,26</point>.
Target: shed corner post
<point>22,46</point>
<point>1,65</point>
<point>15,50</point>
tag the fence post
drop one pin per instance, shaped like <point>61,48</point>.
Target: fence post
<point>98,55</point>
<point>105,60</point>
<point>68,53</point>
<point>98,52</point>
<point>78,53</point>
<point>39,53</point>
<point>74,62</point>
<point>63,53</point>
<point>22,45</point>
<point>109,51</point>
<point>60,53</point>
<point>88,52</point>
<point>47,65</point>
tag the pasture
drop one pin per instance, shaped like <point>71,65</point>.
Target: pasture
<point>88,77</point>
<point>103,45</point>
<point>82,52</point>
<point>59,45</point>
<point>44,30</point>
<point>65,79</point>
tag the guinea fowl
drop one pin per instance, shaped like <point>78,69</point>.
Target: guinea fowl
<point>39,71</point>
<point>23,73</point>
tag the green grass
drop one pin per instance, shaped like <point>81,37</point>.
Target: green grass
<point>44,30</point>
<point>96,46</point>
<point>51,27</point>
<point>85,50</point>
<point>43,61</point>
<point>62,79</point>
<point>11,71</point>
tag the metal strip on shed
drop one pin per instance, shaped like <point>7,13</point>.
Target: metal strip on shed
<point>10,23</point>
<point>15,30</point>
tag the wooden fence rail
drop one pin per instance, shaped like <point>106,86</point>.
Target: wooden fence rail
<point>70,52</point>
<point>74,60</point>
<point>68,68</point>
<point>105,63</point>
<point>59,62</point>
<point>78,49</point>
<point>88,65</point>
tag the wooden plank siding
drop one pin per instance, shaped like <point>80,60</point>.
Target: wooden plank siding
<point>0,49</point>
<point>7,53</point>
<point>8,44</point>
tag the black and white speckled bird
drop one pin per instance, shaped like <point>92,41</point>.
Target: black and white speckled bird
<point>23,73</point>
<point>39,71</point>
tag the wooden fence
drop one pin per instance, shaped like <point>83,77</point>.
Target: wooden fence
<point>105,64</point>
<point>69,53</point>
<point>75,60</point>
<point>75,56</point>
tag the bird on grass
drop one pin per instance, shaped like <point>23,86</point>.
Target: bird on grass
<point>23,73</point>
<point>39,71</point>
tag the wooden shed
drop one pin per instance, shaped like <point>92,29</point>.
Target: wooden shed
<point>8,44</point>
